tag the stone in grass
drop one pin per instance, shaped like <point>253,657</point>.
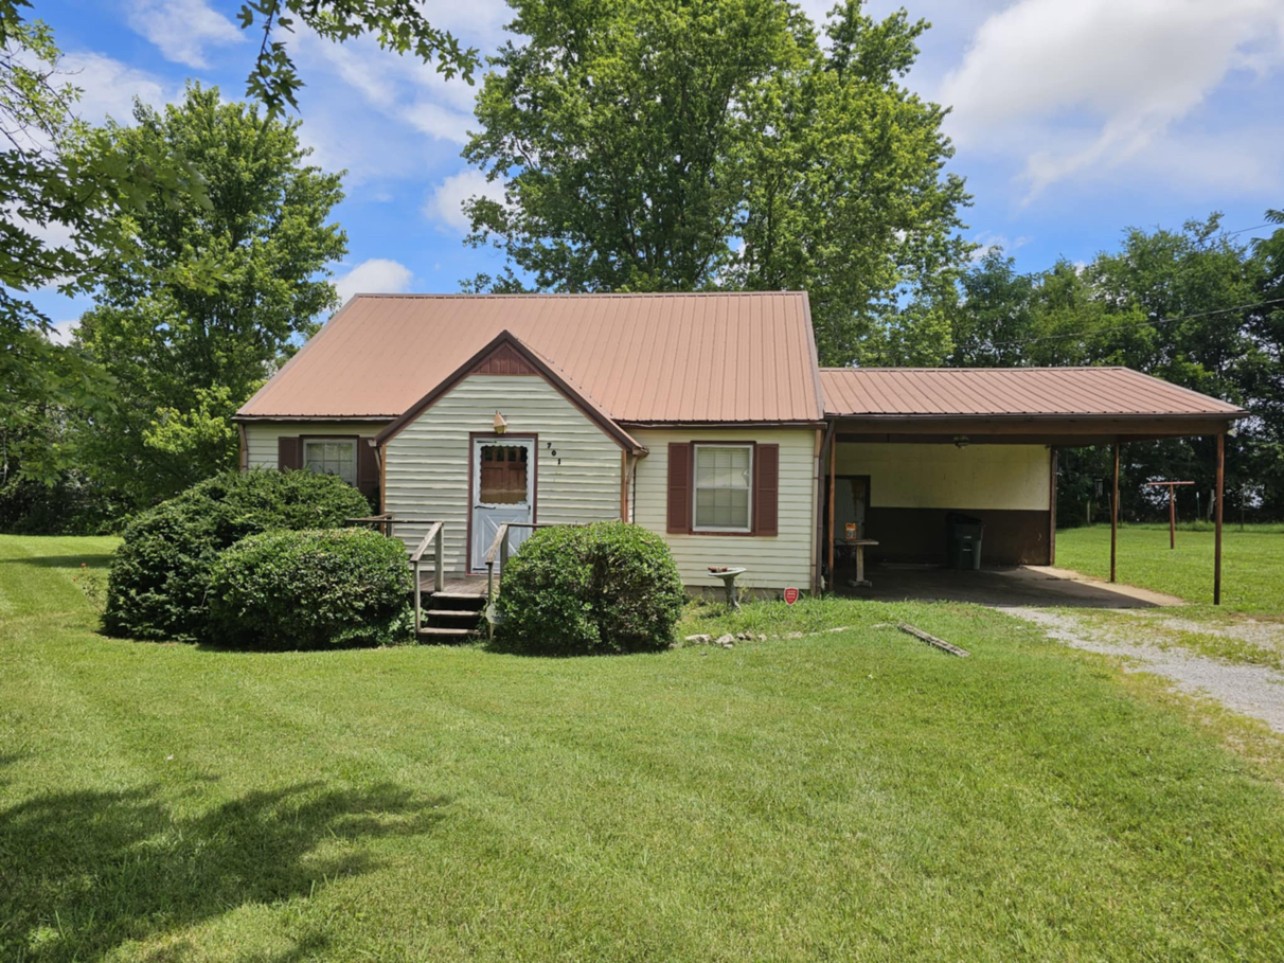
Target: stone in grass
<point>700,639</point>
<point>726,641</point>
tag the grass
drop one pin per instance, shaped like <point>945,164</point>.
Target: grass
<point>1252,562</point>
<point>840,796</point>
<point>1246,629</point>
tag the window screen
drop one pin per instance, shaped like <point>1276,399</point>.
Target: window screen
<point>723,478</point>
<point>332,458</point>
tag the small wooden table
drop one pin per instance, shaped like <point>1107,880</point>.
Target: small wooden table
<point>859,544</point>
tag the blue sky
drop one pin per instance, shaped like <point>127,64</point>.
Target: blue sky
<point>1072,120</point>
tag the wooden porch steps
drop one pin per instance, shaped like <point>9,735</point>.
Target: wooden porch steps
<point>452,616</point>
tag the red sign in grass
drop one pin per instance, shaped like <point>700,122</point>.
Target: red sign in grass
<point>791,596</point>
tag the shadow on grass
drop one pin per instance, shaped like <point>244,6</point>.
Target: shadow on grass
<point>96,560</point>
<point>83,872</point>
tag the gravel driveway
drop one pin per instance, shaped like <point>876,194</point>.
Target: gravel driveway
<point>1253,690</point>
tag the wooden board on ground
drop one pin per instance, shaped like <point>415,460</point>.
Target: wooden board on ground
<point>933,640</point>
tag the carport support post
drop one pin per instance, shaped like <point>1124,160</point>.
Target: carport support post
<point>1114,514</point>
<point>833,472</point>
<point>1217,536</point>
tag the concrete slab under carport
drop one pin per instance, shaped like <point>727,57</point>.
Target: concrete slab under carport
<point>1008,587</point>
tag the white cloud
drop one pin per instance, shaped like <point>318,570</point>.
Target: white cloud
<point>445,203</point>
<point>108,87</point>
<point>1073,86</point>
<point>63,331</point>
<point>375,276</point>
<point>183,29</point>
<point>401,88</point>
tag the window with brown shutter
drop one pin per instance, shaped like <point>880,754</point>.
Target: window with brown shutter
<point>712,489</point>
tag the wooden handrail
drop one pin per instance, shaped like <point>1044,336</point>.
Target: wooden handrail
<point>434,537</point>
<point>433,529</point>
<point>499,546</point>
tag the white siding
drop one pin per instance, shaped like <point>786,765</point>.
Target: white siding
<point>943,476</point>
<point>773,562</point>
<point>428,460</point>
<point>261,437</point>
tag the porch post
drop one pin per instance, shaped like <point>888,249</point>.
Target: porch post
<point>1217,537</point>
<point>1114,514</point>
<point>1052,510</point>
<point>829,521</point>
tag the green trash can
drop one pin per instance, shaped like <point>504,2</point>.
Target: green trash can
<point>963,537</point>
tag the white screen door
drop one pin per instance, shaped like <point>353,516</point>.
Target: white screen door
<point>503,491</point>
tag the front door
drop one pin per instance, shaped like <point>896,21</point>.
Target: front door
<point>503,491</point>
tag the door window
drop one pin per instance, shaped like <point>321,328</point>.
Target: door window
<point>503,474</point>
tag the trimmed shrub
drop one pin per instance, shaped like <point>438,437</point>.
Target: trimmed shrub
<point>159,575</point>
<point>606,587</point>
<point>309,590</point>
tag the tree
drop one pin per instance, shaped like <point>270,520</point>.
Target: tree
<point>1264,379</point>
<point>66,195</point>
<point>219,292</point>
<point>398,25</point>
<point>653,146</point>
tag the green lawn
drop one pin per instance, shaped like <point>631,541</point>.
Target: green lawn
<point>851,795</point>
<point>1252,562</point>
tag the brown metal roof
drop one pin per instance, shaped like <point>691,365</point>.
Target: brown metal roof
<point>1011,392</point>
<point>644,358</point>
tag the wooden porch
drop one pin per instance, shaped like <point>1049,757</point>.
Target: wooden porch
<point>449,606</point>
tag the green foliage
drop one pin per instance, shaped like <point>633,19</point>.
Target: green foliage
<point>674,147</point>
<point>309,590</point>
<point>160,575</point>
<point>67,504</point>
<point>93,188</point>
<point>58,180</point>
<point>606,587</point>
<point>221,290</point>
<point>398,25</point>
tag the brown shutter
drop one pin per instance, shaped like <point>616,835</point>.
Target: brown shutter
<point>679,488</point>
<point>367,468</point>
<point>766,489</point>
<point>289,452</point>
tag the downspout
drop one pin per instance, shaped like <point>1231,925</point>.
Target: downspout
<point>243,446</point>
<point>383,477</point>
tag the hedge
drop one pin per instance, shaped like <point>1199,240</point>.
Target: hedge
<point>606,587</point>
<point>308,590</point>
<point>159,576</point>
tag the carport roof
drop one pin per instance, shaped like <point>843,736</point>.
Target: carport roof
<point>1052,404</point>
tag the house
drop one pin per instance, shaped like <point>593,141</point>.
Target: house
<point>703,417</point>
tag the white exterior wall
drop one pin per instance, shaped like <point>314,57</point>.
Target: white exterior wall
<point>261,437</point>
<point>773,562</point>
<point>428,461</point>
<point>1013,477</point>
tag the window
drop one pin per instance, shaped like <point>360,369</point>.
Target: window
<point>723,482</point>
<point>332,456</point>
<point>503,474</point>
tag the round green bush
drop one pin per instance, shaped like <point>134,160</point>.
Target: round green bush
<point>606,587</point>
<point>309,590</point>
<point>159,576</point>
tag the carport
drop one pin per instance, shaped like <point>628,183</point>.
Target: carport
<point>919,443</point>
